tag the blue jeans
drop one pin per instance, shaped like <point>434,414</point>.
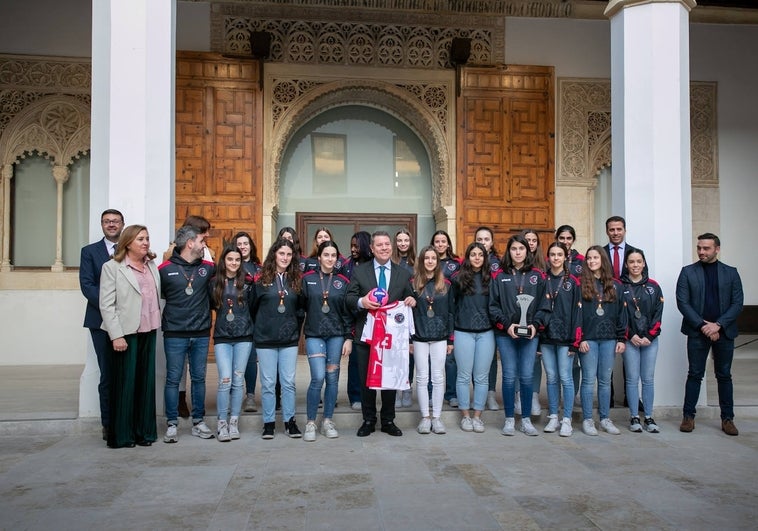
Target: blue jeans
<point>517,361</point>
<point>558,367</point>
<point>251,371</point>
<point>451,377</point>
<point>473,356</point>
<point>597,364</point>
<point>639,364</point>
<point>177,350</point>
<point>281,361</point>
<point>231,362</point>
<point>697,354</point>
<point>324,360</point>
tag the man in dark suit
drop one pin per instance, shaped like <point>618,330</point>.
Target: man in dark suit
<point>92,258</point>
<point>617,249</point>
<point>709,297</point>
<point>366,277</point>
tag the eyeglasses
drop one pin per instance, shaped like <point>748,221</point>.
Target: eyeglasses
<point>111,222</point>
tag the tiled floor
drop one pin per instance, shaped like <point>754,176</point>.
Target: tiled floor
<point>58,473</point>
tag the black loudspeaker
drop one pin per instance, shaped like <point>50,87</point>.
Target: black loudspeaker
<point>460,50</point>
<point>260,44</point>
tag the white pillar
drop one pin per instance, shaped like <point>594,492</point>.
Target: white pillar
<point>132,161</point>
<point>651,156</point>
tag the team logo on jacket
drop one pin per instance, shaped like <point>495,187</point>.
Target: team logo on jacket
<point>450,266</point>
<point>301,265</point>
<point>494,266</point>
<point>202,271</point>
<point>337,283</point>
<point>567,286</point>
<point>578,269</point>
<point>399,318</point>
<point>650,290</point>
<point>533,280</point>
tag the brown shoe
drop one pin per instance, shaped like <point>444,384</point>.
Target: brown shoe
<point>728,427</point>
<point>183,411</point>
<point>687,425</point>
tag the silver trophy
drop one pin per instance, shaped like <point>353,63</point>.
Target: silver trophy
<point>523,300</point>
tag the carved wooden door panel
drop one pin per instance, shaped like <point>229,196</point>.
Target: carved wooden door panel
<point>505,152</point>
<point>219,144</point>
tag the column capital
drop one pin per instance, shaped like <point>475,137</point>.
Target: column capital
<point>61,173</point>
<point>614,6</point>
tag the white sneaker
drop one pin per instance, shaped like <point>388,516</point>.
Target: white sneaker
<point>527,427</point>
<point>478,425</point>
<point>509,428</point>
<point>356,406</point>
<point>234,429</point>
<point>437,426</point>
<point>566,429</point>
<point>634,425</point>
<point>310,431</point>
<point>329,430</point>
<point>607,425</point>
<point>651,426</point>
<point>517,404</point>
<point>407,400</point>
<point>171,435</point>
<point>552,424</point>
<point>588,427</point>
<point>222,432</point>
<point>466,424</point>
<point>425,426</point>
<point>202,430</point>
<point>536,408</point>
<point>492,404</point>
<point>248,405</point>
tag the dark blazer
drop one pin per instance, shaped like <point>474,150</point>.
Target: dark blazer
<point>91,263</point>
<point>628,248</point>
<point>690,298</point>
<point>363,280</point>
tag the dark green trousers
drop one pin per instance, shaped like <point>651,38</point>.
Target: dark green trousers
<point>132,393</point>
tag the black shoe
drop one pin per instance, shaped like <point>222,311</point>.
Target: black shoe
<point>366,429</point>
<point>268,430</point>
<point>291,429</point>
<point>144,443</point>
<point>390,429</point>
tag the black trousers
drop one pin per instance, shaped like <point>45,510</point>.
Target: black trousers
<point>102,344</point>
<point>368,396</point>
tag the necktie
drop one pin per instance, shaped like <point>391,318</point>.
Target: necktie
<point>616,262</point>
<point>382,278</point>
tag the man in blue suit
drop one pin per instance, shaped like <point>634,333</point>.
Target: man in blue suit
<point>91,262</point>
<point>709,297</point>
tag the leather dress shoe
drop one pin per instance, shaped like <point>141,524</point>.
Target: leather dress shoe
<point>144,443</point>
<point>687,425</point>
<point>390,429</point>
<point>366,429</point>
<point>728,427</point>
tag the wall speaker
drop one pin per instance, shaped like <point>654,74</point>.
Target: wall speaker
<point>460,50</point>
<point>260,44</point>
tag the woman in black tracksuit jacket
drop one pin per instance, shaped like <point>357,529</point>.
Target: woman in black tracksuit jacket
<point>559,341</point>
<point>278,315</point>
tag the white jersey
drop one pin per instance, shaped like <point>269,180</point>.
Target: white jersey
<point>388,330</point>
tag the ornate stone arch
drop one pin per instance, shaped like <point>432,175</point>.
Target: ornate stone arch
<point>426,108</point>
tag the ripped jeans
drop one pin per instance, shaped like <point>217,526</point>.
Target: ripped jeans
<point>231,362</point>
<point>324,356</point>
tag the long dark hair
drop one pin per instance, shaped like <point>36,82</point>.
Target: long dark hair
<point>411,256</point>
<point>493,249</point>
<point>589,291</point>
<point>295,240</point>
<point>363,240</point>
<point>538,256</point>
<point>450,253</point>
<point>507,261</point>
<point>566,272</point>
<point>253,249</point>
<point>268,270</point>
<point>219,281</point>
<point>314,248</point>
<point>466,273</point>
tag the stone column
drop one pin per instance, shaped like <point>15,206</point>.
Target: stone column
<point>60,174</point>
<point>651,156</point>
<point>132,163</point>
<point>7,175</point>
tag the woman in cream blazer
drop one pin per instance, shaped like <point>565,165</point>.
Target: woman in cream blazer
<point>129,303</point>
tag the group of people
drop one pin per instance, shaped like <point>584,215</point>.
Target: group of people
<point>447,316</point>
